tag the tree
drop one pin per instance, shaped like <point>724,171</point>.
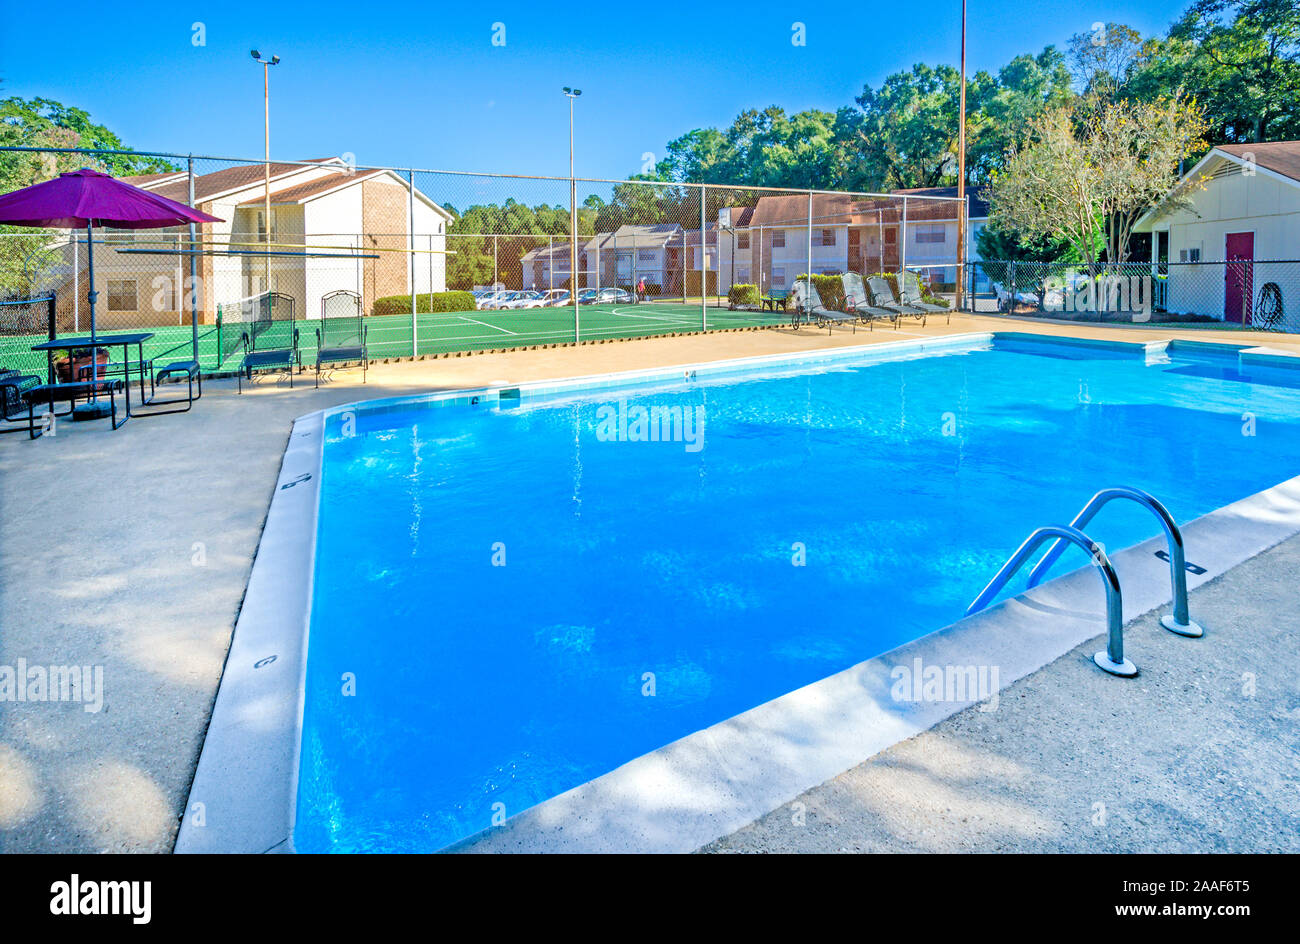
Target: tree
<point>1105,59</point>
<point>1089,182</point>
<point>27,257</point>
<point>1241,58</point>
<point>996,243</point>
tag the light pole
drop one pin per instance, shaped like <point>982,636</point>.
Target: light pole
<point>961,170</point>
<point>573,93</point>
<point>266,104</point>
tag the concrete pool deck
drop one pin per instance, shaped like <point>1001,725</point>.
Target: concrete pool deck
<point>131,550</point>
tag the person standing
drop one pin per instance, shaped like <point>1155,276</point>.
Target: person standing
<point>640,290</point>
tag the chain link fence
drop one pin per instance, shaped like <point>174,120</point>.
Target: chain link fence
<point>1258,294</point>
<point>439,262</point>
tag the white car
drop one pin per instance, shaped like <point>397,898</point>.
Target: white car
<point>555,298</point>
<point>499,300</point>
<point>490,300</point>
<point>528,299</point>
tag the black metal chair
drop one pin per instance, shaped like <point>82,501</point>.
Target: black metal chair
<point>341,337</point>
<point>13,407</point>
<point>273,347</point>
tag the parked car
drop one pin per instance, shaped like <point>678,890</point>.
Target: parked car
<point>586,296</point>
<point>615,296</point>
<point>499,300</point>
<point>525,299</point>
<point>556,297</point>
<point>489,299</point>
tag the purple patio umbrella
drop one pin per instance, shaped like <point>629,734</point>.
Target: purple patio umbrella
<point>88,198</point>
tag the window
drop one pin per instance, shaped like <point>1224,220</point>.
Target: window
<point>935,233</point>
<point>742,276</point>
<point>823,237</point>
<point>778,239</point>
<point>646,255</point>
<point>778,275</point>
<point>742,240</point>
<point>121,295</point>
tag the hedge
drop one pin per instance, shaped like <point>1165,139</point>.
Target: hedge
<point>743,294</point>
<point>424,304</point>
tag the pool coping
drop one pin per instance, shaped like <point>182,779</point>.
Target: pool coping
<point>714,781</point>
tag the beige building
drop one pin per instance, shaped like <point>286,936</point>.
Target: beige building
<point>319,209</point>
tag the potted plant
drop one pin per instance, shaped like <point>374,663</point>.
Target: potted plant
<point>68,364</point>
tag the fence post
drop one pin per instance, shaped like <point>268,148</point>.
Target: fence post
<point>1011,302</point>
<point>410,261</point>
<point>704,261</point>
<point>76,281</point>
<point>808,294</point>
<point>52,328</point>
<point>902,253</point>
<point>194,261</point>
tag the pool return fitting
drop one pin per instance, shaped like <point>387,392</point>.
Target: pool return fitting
<point>1111,659</point>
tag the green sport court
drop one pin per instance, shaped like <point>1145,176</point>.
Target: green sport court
<point>437,332</point>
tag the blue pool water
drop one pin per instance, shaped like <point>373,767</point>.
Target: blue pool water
<point>907,483</point>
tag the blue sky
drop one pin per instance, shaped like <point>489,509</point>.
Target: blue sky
<point>417,84</point>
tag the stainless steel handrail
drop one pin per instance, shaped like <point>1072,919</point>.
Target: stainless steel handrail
<point>1179,621</point>
<point>1111,659</point>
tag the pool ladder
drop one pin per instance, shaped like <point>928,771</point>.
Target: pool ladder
<point>1111,659</point>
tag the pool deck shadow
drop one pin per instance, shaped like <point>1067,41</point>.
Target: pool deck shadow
<point>131,550</point>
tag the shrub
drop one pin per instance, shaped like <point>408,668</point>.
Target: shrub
<point>424,304</point>
<point>743,294</point>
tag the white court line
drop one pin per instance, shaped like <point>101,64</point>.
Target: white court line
<point>486,325</point>
<point>665,318</point>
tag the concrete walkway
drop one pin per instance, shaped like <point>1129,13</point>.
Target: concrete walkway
<point>1200,753</point>
<point>130,551</point>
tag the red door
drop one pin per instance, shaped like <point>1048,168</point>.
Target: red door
<point>1238,277</point>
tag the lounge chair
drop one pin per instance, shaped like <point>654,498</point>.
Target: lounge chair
<point>912,296</point>
<point>341,337</point>
<point>808,304</point>
<point>882,296</point>
<point>269,349</point>
<point>856,301</point>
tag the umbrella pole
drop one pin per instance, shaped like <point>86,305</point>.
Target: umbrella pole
<point>94,409</point>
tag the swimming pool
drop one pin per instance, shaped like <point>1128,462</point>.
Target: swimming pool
<point>515,596</point>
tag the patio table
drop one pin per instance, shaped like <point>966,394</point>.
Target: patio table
<point>124,341</point>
